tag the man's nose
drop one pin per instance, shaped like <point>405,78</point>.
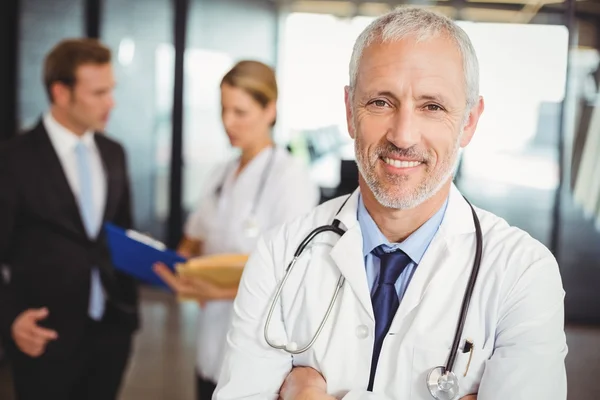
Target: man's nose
<point>403,131</point>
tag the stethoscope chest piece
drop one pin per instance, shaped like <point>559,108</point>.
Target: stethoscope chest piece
<point>442,384</point>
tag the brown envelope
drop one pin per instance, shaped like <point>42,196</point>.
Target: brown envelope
<point>224,270</point>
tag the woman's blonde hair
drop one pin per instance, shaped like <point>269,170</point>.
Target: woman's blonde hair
<point>256,79</point>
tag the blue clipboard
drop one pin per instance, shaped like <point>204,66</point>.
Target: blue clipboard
<point>135,254</point>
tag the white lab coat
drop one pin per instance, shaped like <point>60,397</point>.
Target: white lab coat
<point>515,318</point>
<point>219,222</point>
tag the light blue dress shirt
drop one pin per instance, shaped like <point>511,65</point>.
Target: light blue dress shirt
<point>414,246</point>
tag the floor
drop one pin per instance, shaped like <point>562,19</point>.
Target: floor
<point>162,366</point>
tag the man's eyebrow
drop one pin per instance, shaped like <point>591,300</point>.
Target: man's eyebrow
<point>379,93</point>
<point>431,97</point>
<point>436,97</point>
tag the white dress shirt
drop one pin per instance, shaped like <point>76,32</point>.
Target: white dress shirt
<point>64,142</point>
<point>220,219</point>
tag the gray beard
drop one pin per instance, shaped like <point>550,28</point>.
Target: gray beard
<point>430,186</point>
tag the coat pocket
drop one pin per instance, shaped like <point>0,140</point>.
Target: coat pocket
<point>468,368</point>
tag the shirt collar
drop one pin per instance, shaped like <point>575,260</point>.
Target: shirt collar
<point>414,246</point>
<point>64,140</point>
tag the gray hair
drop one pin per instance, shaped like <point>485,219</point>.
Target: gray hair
<point>422,24</point>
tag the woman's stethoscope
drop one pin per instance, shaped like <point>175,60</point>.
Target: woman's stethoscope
<point>442,382</point>
<point>251,226</point>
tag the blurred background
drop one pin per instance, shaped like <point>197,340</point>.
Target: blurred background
<point>533,160</point>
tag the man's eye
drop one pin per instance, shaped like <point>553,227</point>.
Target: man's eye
<point>380,103</point>
<point>433,107</point>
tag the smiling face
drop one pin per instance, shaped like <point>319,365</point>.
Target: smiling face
<point>408,115</point>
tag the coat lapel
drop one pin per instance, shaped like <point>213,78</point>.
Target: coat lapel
<point>429,270</point>
<point>437,263</point>
<point>348,257</point>
<point>55,188</point>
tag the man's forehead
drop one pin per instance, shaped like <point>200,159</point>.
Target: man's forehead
<point>435,61</point>
<point>95,74</point>
<point>428,51</point>
<point>93,69</point>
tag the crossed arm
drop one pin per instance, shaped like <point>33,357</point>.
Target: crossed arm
<point>529,343</point>
<point>252,369</point>
<point>305,383</point>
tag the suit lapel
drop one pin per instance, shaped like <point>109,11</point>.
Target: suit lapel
<point>55,188</point>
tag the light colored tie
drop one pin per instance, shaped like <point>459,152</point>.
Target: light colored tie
<point>90,222</point>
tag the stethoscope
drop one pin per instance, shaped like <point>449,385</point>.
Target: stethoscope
<point>442,382</point>
<point>250,226</point>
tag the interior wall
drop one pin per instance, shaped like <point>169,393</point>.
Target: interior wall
<point>579,250</point>
<point>220,33</point>
<point>42,24</point>
<point>136,31</point>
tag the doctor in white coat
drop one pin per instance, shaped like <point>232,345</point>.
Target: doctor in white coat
<point>406,254</point>
<point>263,187</point>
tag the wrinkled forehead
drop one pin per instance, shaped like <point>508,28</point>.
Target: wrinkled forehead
<point>422,64</point>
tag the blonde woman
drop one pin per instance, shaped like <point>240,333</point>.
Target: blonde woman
<point>262,188</point>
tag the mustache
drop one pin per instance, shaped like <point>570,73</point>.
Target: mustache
<point>389,149</point>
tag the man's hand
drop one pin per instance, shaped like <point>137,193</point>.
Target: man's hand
<point>29,337</point>
<point>304,383</point>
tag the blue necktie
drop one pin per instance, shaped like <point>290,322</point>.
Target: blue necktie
<point>385,299</point>
<point>90,222</point>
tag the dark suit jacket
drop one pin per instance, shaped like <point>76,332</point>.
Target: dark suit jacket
<point>43,243</point>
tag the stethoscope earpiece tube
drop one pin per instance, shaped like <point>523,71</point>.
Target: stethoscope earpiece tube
<point>327,228</point>
<point>292,347</point>
<point>468,292</point>
<point>334,227</point>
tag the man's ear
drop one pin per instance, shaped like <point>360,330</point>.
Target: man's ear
<point>61,94</point>
<point>472,120</point>
<point>349,115</point>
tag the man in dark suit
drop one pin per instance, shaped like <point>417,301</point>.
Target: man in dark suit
<point>67,315</point>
